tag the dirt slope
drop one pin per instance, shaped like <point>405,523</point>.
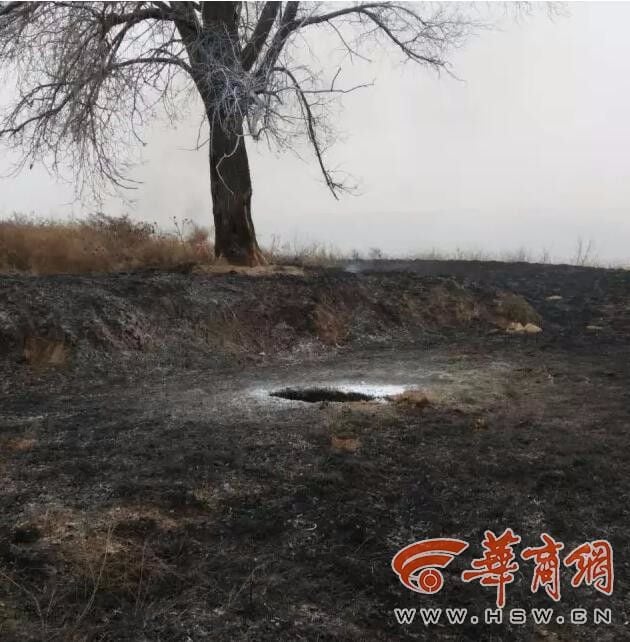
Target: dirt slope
<point>187,318</point>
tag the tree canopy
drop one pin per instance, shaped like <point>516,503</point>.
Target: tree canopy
<point>88,75</point>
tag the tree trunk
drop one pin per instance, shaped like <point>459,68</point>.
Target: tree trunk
<point>235,238</point>
<point>230,182</point>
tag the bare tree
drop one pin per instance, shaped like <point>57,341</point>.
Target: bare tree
<point>89,74</point>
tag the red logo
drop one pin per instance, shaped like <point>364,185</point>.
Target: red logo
<point>497,566</point>
<point>417,564</point>
<point>594,565</point>
<point>547,570</point>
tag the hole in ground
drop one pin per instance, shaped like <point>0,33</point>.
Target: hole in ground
<point>313,395</point>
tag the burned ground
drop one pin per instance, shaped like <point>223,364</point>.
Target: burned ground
<point>152,489</point>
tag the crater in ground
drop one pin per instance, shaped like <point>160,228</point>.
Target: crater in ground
<point>315,394</point>
<point>339,392</point>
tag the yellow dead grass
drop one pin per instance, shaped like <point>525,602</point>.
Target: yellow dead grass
<point>39,351</point>
<point>416,399</point>
<point>18,444</point>
<point>98,244</point>
<point>345,444</point>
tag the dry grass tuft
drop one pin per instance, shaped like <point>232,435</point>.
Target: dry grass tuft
<point>512,308</point>
<point>451,304</point>
<point>330,325</point>
<point>310,255</point>
<point>109,552</point>
<point>416,399</point>
<point>98,244</point>
<point>18,444</point>
<point>39,351</point>
<point>345,444</point>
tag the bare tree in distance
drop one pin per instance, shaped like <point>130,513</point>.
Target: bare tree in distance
<point>88,76</point>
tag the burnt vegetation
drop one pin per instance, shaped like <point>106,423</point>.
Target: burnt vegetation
<point>148,493</point>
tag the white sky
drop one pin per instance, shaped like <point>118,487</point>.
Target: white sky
<point>531,150</point>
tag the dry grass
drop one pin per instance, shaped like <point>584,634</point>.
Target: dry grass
<point>104,243</point>
<point>17,444</point>
<point>96,554</point>
<point>312,255</point>
<point>415,399</point>
<point>345,444</point>
<point>98,244</point>
<point>39,351</point>
<point>514,308</point>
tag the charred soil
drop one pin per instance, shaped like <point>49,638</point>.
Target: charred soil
<point>154,489</point>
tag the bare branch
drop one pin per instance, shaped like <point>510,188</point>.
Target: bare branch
<point>89,75</point>
<point>279,40</point>
<point>261,33</point>
<point>333,186</point>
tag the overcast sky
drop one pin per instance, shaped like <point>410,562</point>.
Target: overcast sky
<point>531,149</point>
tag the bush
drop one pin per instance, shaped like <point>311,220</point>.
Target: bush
<point>99,243</point>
